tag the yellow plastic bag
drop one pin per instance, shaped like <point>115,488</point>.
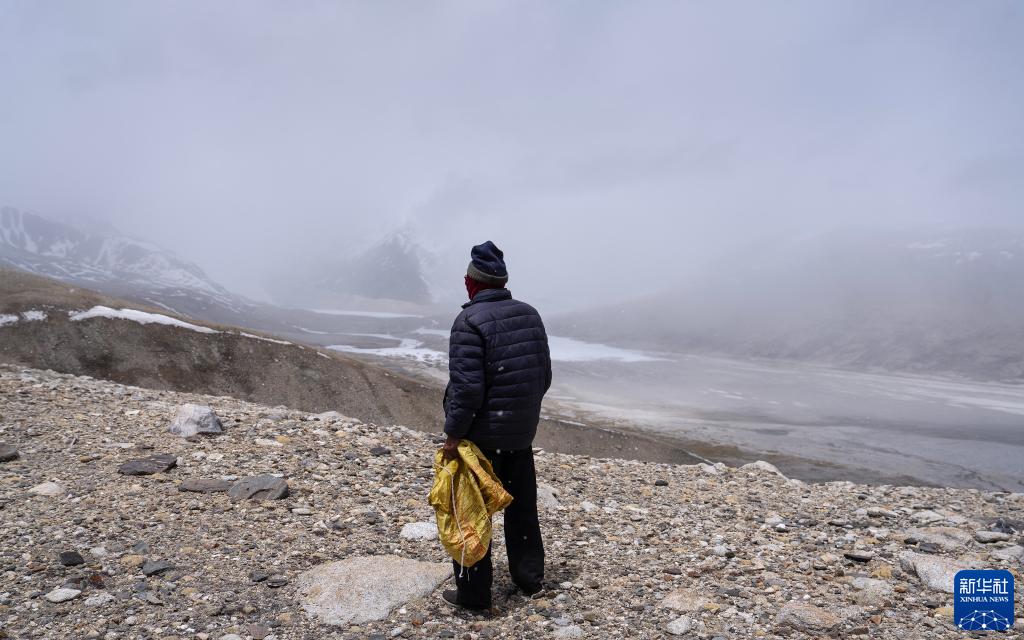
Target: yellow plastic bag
<point>466,493</point>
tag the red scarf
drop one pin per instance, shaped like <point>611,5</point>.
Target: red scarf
<point>474,287</point>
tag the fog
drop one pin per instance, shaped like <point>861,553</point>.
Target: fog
<point>608,148</point>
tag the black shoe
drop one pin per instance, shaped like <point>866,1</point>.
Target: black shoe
<point>533,592</point>
<point>451,598</point>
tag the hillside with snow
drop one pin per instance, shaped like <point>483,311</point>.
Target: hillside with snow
<point>112,263</point>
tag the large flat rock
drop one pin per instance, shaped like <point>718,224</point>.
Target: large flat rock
<point>366,588</point>
<point>193,419</point>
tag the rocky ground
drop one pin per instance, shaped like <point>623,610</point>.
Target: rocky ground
<point>637,550</point>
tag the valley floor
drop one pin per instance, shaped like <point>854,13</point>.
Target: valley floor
<point>636,550</point>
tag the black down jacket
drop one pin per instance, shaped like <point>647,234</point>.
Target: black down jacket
<point>499,368</point>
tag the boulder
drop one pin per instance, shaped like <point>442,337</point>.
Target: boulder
<point>193,419</point>
<point>806,617</point>
<point>680,626</point>
<point>761,465</point>
<point>870,591</point>
<point>148,466</point>
<point>261,487</point>
<point>988,537</point>
<point>1008,555</point>
<point>366,588</point>
<point>935,572</point>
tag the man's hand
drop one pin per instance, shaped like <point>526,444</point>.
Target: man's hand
<point>451,448</point>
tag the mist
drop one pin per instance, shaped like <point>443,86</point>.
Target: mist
<point>607,148</point>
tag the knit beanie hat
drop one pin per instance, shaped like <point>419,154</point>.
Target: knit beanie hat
<point>488,265</point>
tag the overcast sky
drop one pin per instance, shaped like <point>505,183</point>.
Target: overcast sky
<point>604,145</point>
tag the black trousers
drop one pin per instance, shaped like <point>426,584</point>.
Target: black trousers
<point>523,542</point>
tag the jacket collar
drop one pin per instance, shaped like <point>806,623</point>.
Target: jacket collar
<point>489,295</point>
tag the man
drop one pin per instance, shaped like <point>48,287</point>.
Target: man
<point>499,369</point>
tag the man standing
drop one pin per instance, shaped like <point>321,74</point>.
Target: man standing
<point>499,369</point>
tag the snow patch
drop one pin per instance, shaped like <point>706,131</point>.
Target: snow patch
<point>6,318</point>
<point>570,350</point>
<point>134,315</point>
<point>933,244</point>
<point>423,331</point>
<point>366,314</point>
<point>407,348</point>
<point>33,315</point>
<point>255,337</point>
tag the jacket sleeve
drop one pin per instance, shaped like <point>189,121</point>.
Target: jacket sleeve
<point>466,383</point>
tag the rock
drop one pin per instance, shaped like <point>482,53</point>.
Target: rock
<point>945,538</point>
<point>859,555</point>
<point>258,631</point>
<point>98,600</point>
<point>193,419</point>
<point>547,496</point>
<point>49,489</point>
<point>70,558</point>
<point>870,591</point>
<point>661,482</point>
<point>204,485</point>
<point>155,567</point>
<point>1008,555</point>
<point>7,452</point>
<point>261,487</point>
<point>62,594</point>
<point>264,442</point>
<point>148,466</point>
<point>569,631</point>
<point>588,507</point>
<point>761,465</point>
<point>680,626</point>
<point>927,517</point>
<point>379,451</point>
<point>806,617</point>
<point>935,572</point>
<point>686,600</point>
<point>419,531</point>
<point>878,512</point>
<point>231,636</point>
<point>988,537</point>
<point>366,588</point>
<point>276,581</point>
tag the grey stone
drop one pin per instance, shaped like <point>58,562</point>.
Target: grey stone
<point>946,538</point>
<point>98,600</point>
<point>870,591</point>
<point>419,531</point>
<point>62,594</point>
<point>988,537</point>
<point>859,555</point>
<point>687,600</point>
<point>49,489</point>
<point>1013,553</point>
<point>261,487</point>
<point>680,626</point>
<point>761,465</point>
<point>70,558</point>
<point>935,572</point>
<point>148,466</point>
<point>547,496</point>
<point>155,567</point>
<point>7,452</point>
<point>806,617</point>
<point>366,588</point>
<point>193,419</point>
<point>204,485</point>
<point>568,631</point>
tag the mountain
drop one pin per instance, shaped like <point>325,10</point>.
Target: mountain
<point>391,274</point>
<point>112,263</point>
<point>949,302</point>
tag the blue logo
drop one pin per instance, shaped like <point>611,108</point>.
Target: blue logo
<point>983,600</point>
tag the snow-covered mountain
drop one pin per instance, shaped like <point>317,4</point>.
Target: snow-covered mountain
<point>390,273</point>
<point>111,263</point>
